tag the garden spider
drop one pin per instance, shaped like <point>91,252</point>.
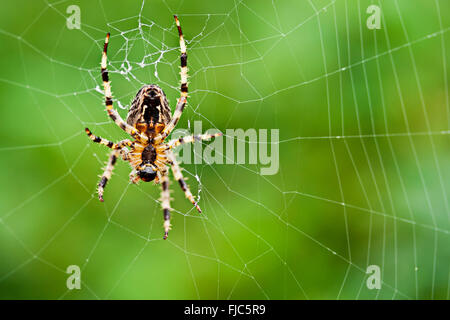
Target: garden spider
<point>149,122</point>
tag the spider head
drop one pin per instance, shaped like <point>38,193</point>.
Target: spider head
<point>147,174</point>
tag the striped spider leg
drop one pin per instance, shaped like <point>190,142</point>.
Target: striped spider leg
<point>183,88</point>
<point>118,149</point>
<point>176,170</point>
<point>191,139</point>
<point>113,114</point>
<point>178,175</point>
<point>165,200</point>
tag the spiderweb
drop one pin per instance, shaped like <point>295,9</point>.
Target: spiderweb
<point>364,122</point>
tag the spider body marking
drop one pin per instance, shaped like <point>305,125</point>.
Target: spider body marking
<point>149,123</point>
<point>150,111</point>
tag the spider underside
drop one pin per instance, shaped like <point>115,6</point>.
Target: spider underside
<point>149,123</point>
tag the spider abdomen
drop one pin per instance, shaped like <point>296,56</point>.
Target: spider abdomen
<point>151,108</point>
<point>149,111</point>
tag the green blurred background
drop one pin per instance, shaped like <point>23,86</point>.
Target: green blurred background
<point>364,151</point>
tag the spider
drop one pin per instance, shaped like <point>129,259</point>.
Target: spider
<point>149,123</point>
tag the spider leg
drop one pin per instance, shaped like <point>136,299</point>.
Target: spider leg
<point>134,178</point>
<point>107,173</point>
<point>191,139</point>
<point>176,169</point>
<point>165,202</point>
<point>109,144</point>
<point>113,114</point>
<point>118,149</point>
<point>184,86</point>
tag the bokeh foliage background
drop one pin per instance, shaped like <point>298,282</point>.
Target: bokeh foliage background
<point>364,151</point>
